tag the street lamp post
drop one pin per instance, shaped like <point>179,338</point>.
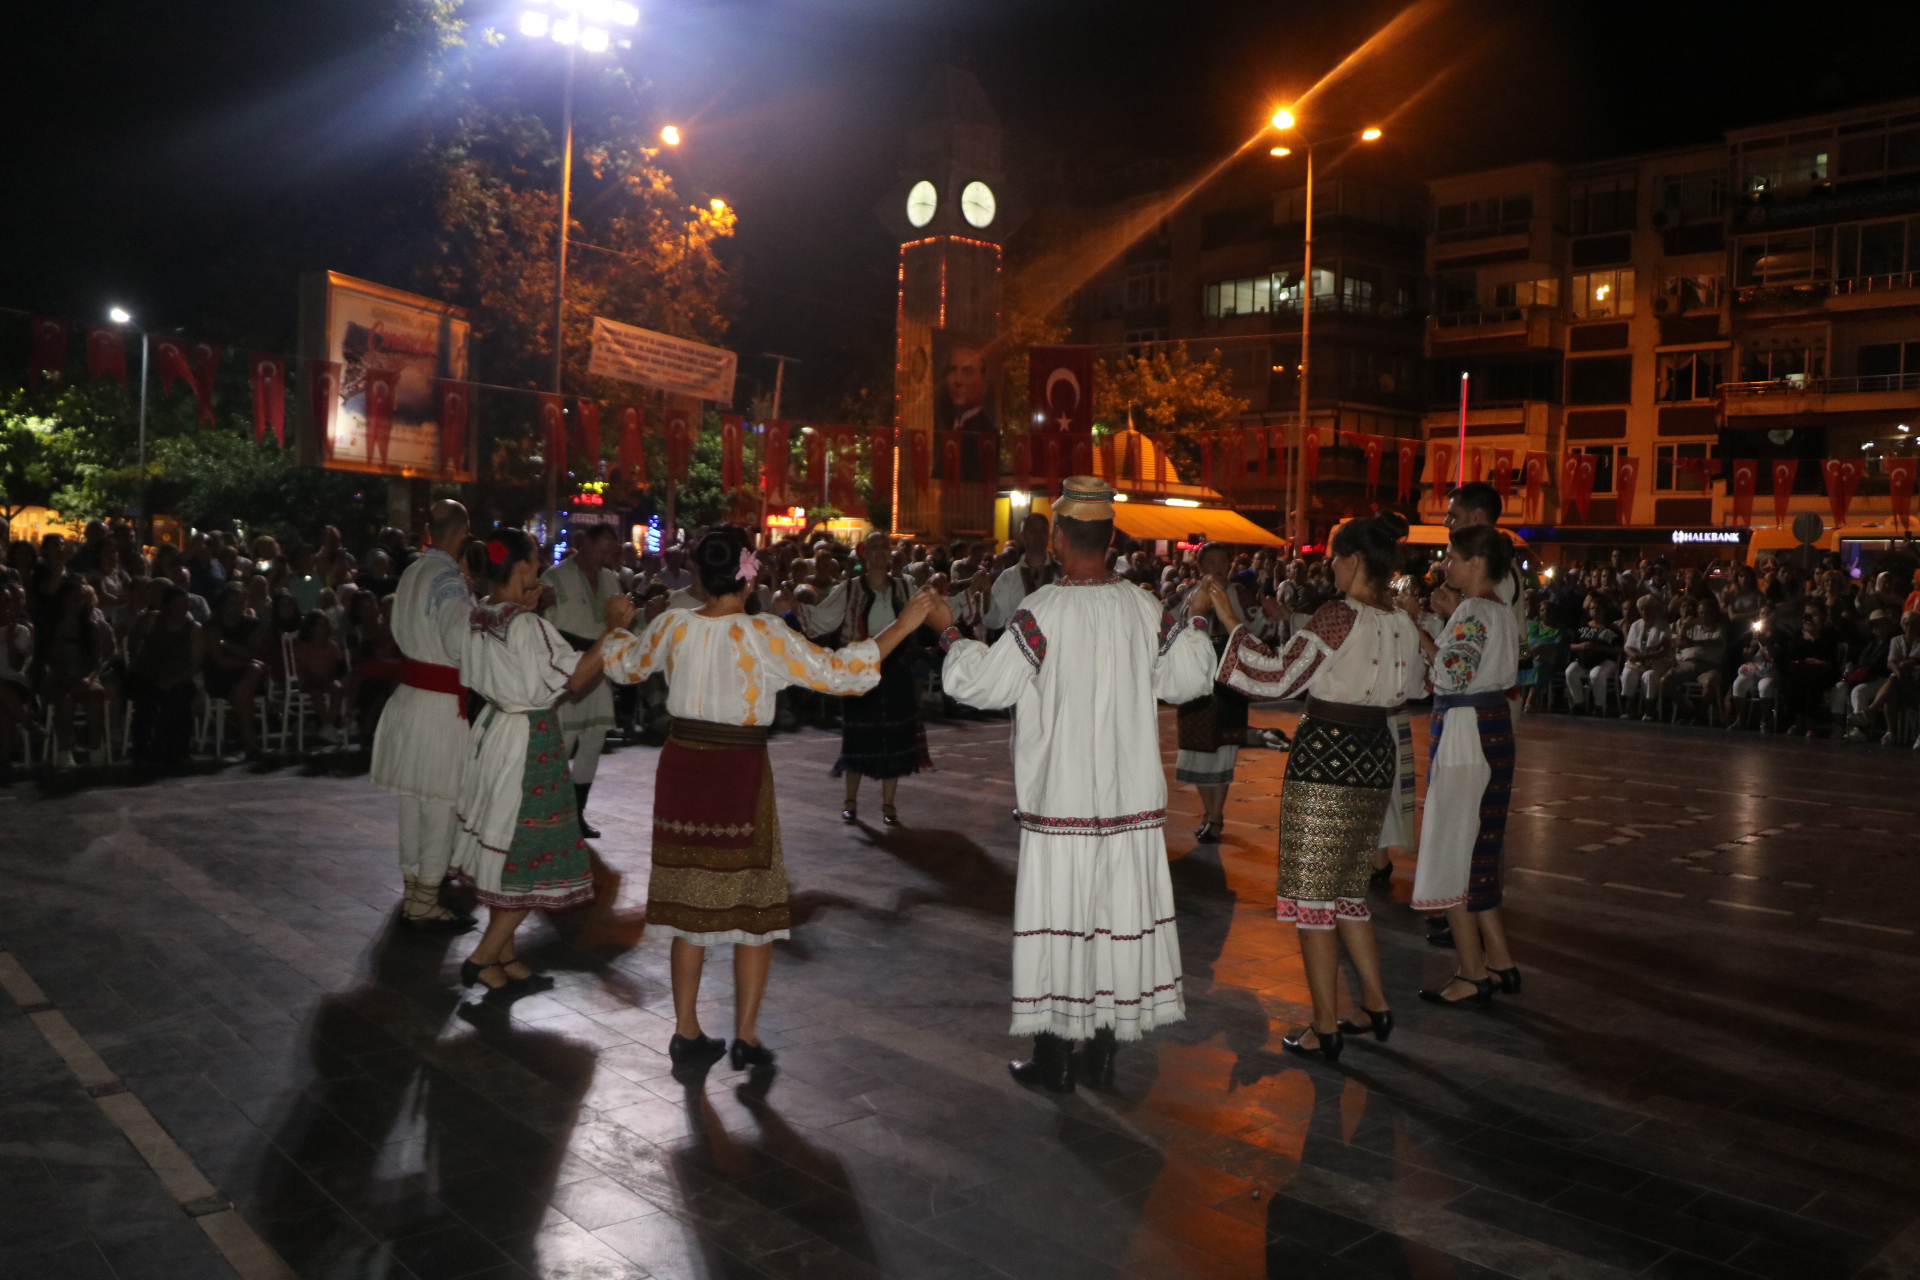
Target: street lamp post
<point>122,317</point>
<point>1284,120</point>
<point>580,24</point>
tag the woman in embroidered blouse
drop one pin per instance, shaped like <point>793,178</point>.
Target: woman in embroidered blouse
<point>1470,767</point>
<point>718,871</point>
<point>517,833</point>
<point>1356,659</point>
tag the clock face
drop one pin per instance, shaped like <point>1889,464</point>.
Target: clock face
<point>921,203</point>
<point>976,202</point>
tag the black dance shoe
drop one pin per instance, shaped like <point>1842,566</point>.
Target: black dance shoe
<point>1051,1064</point>
<point>1482,993</point>
<point>1439,933</point>
<point>1509,980</point>
<point>850,814</point>
<point>755,1057</point>
<point>1097,1059</point>
<point>580,792</point>
<point>1381,875</point>
<point>1208,833</point>
<point>1379,1025</point>
<point>696,1054</point>
<point>1329,1045</point>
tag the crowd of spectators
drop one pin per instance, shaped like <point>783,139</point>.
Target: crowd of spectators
<point>97,629</point>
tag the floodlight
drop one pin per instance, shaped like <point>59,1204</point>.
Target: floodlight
<point>625,15</point>
<point>596,10</point>
<point>1281,151</point>
<point>1369,135</point>
<point>1283,119</point>
<point>593,40</point>
<point>670,135</point>
<point>567,30</point>
<point>533,24</point>
<point>119,316</point>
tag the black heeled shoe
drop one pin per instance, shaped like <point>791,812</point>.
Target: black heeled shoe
<point>1328,1044</point>
<point>699,1052</point>
<point>1509,980</point>
<point>850,814</point>
<point>1439,933</point>
<point>750,1056</point>
<point>535,981</point>
<point>1207,834</point>
<point>1051,1065</point>
<point>1381,875</point>
<point>1482,992</point>
<point>470,972</point>
<point>1097,1059</point>
<point>1380,1025</point>
<point>889,815</point>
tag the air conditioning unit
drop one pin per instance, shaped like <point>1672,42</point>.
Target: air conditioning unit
<point>1661,218</point>
<point>1666,305</point>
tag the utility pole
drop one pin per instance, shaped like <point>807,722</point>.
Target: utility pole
<point>560,294</point>
<point>779,384</point>
<point>1300,430</point>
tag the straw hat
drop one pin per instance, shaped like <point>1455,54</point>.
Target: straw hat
<point>1085,498</point>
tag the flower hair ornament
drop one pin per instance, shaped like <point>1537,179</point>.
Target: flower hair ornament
<point>497,552</point>
<point>749,564</point>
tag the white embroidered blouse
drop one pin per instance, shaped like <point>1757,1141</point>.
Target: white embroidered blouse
<point>727,670</point>
<point>1348,652</point>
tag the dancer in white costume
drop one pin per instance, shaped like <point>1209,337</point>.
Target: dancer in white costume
<point>1095,952</point>
<point>581,585</point>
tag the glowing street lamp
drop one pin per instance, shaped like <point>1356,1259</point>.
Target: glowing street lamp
<point>671,135</point>
<point>1283,120</point>
<point>578,25</point>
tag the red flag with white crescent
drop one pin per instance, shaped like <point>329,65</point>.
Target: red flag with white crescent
<point>553,431</point>
<point>1440,473</point>
<point>1587,467</point>
<point>922,461</point>
<point>47,352</point>
<point>1310,452</point>
<point>106,353</point>
<point>1503,473</point>
<point>322,381</point>
<point>1537,465</point>
<point>680,433</point>
<point>1784,470</point>
<point>1083,453</point>
<point>1407,456</point>
<point>1475,461</point>
<point>633,448</point>
<point>267,378</point>
<point>1023,460</point>
<point>988,445</point>
<point>380,388</point>
<point>880,451</point>
<point>587,423</point>
<point>845,473</point>
<point>1626,479</point>
<point>170,354</point>
<point>455,402</point>
<point>205,362</point>
<point>1743,479</point>
<point>1060,387</point>
<point>774,461</point>
<point>1569,483</point>
<point>1373,446</point>
<point>1900,474</point>
<point>1843,477</point>
<point>950,468</point>
<point>732,428</point>
<point>1053,445</point>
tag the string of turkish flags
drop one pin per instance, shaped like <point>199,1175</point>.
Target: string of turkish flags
<point>732,427</point>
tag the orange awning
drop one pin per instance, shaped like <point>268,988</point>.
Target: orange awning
<point>1178,524</point>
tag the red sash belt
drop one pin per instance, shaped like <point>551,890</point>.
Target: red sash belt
<point>434,679</point>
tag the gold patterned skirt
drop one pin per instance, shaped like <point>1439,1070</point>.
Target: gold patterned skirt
<point>718,874</point>
<point>1340,777</point>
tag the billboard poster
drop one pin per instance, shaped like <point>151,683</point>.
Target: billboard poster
<point>394,351</point>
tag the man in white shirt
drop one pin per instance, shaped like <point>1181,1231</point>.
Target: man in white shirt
<point>1649,658</point>
<point>581,585</point>
<point>419,748</point>
<point>1035,570</point>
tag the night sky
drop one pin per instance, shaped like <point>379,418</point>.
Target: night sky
<point>190,160</point>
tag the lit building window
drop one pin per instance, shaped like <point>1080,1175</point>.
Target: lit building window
<point>1596,294</point>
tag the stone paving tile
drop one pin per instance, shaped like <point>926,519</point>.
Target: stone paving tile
<point>1679,1093</point>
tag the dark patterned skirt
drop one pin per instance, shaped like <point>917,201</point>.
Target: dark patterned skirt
<point>1340,776</point>
<point>548,866</point>
<point>1211,732</point>
<point>718,872</point>
<point>880,731</point>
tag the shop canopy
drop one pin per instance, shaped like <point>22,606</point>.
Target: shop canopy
<point>1179,524</point>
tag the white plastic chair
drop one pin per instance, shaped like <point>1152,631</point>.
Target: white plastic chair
<point>295,704</point>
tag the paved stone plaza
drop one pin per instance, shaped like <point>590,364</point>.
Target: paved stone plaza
<point>1711,1073</point>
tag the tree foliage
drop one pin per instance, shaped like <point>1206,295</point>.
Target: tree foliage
<point>1165,390</point>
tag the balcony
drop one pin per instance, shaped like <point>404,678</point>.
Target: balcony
<point>1796,395</point>
<point>1495,329</point>
<point>1854,293</point>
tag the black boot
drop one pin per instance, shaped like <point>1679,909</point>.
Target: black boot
<point>1096,1060</point>
<point>580,792</point>
<point>1051,1064</point>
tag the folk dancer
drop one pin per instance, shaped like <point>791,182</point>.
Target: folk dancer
<point>1095,952</point>
<point>881,735</point>
<point>420,744</point>
<point>719,874</point>
<point>1357,659</point>
<point>1213,727</point>
<point>519,830</point>
<point>1470,767</point>
<point>581,585</point>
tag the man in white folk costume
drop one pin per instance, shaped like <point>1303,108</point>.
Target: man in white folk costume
<point>581,585</point>
<point>419,748</point>
<point>1095,953</point>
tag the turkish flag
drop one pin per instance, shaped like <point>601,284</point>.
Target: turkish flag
<point>1626,477</point>
<point>1372,446</point>
<point>1503,473</point>
<point>322,380</point>
<point>1408,459</point>
<point>205,357</point>
<point>1083,453</point>
<point>587,421</point>
<point>1052,442</point>
<point>1588,468</point>
<point>1440,462</point>
<point>1745,477</point>
<point>1784,470</point>
<point>1162,459</point>
<point>775,458</point>
<point>679,442</point>
<point>732,426</point>
<point>949,445</point>
<point>267,376</point>
<point>922,461</point>
<point>1537,467</point>
<point>846,467</point>
<point>813,446</point>
<point>47,354</point>
<point>1060,387</point>
<point>454,407</point>
<point>1023,460</point>
<point>381,387</point>
<point>988,443</point>
<point>880,448</point>
<point>1900,486</point>
<point>171,355</point>
<point>106,353</point>
<point>1843,477</point>
<point>1569,484</point>
<point>1310,449</point>
<point>1475,461</point>
<point>633,446</point>
<point>553,432</point>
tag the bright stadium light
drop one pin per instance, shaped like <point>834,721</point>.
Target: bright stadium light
<point>624,15</point>
<point>567,30</point>
<point>533,23</point>
<point>671,135</point>
<point>593,40</point>
<point>119,315</point>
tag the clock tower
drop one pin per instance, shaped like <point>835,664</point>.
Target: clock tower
<point>951,214</point>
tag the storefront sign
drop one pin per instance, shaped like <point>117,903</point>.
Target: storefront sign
<point>1734,536</point>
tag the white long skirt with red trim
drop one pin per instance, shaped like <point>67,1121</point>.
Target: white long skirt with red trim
<point>1094,941</point>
